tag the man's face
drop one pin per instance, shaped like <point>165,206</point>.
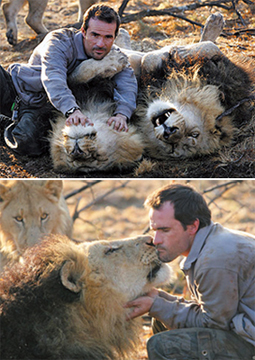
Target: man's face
<point>98,38</point>
<point>170,238</point>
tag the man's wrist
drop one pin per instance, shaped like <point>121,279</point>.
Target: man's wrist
<point>71,111</point>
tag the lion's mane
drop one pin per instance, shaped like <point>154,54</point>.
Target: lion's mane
<point>65,301</point>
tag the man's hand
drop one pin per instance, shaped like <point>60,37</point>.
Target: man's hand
<point>120,122</point>
<point>141,305</point>
<point>77,118</point>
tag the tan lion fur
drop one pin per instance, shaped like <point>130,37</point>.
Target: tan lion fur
<point>98,147</point>
<point>89,283</point>
<point>183,91</point>
<point>28,210</point>
<point>189,97</point>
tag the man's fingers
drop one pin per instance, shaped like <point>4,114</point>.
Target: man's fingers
<point>110,121</point>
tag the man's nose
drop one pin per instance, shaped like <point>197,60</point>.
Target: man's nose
<point>157,239</point>
<point>100,42</point>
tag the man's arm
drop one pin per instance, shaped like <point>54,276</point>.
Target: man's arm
<point>125,95</point>
<point>56,53</point>
<point>216,304</point>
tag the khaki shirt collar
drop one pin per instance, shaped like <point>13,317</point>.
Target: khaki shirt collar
<point>196,247</point>
<point>78,42</point>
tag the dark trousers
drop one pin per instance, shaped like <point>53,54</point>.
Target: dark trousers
<point>27,136</point>
<point>199,344</point>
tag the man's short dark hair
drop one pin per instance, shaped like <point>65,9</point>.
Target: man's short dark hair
<point>103,13</point>
<point>189,205</point>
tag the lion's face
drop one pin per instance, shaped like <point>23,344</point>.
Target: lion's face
<point>94,148</point>
<point>28,210</point>
<point>180,127</point>
<point>184,120</point>
<point>80,149</point>
<point>129,267</point>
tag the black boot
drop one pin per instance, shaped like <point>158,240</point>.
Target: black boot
<point>29,135</point>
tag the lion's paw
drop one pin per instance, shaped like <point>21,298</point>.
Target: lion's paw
<point>113,63</point>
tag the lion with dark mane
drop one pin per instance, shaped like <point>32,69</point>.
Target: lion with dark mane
<point>194,100</point>
<point>65,301</point>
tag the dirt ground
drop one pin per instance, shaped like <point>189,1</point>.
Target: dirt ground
<point>157,31</point>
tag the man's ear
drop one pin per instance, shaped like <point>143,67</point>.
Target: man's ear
<point>83,31</point>
<point>193,228</point>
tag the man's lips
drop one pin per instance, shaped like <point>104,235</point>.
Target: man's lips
<point>99,51</point>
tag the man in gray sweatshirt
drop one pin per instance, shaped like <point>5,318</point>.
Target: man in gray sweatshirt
<point>219,266</point>
<point>27,88</point>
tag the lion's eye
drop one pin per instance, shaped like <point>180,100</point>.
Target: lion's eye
<point>18,218</point>
<point>159,119</point>
<point>111,250</point>
<point>195,134</point>
<point>44,216</point>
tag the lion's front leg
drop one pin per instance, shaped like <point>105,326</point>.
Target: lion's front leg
<point>110,65</point>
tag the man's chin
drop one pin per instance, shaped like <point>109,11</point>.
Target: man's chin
<point>163,256</point>
<point>99,56</point>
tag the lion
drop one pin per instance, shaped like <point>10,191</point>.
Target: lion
<point>98,147</point>
<point>28,210</point>
<point>65,301</point>
<point>193,100</point>
<point>34,17</point>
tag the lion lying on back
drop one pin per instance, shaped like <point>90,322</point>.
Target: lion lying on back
<point>28,210</point>
<point>182,109</point>
<point>183,95</point>
<point>68,299</point>
<point>99,147</point>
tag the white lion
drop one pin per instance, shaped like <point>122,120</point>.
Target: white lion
<point>28,210</point>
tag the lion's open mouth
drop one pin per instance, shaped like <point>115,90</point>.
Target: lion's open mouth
<point>153,272</point>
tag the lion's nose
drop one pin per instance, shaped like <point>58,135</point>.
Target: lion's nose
<point>150,242</point>
<point>76,152</point>
<point>169,131</point>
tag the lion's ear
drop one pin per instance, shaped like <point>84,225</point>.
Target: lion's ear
<point>54,187</point>
<point>3,191</point>
<point>69,277</point>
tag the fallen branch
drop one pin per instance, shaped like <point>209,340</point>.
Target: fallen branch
<point>172,11</point>
<point>234,2</point>
<point>122,7</point>
<point>238,32</point>
<point>148,13</point>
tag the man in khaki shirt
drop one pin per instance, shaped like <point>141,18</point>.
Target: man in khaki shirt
<point>219,321</point>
